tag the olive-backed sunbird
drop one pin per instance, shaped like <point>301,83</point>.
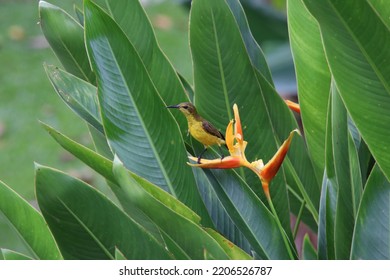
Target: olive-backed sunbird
<point>199,128</point>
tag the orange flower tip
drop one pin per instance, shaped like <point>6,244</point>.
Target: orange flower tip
<point>272,167</point>
<point>293,106</point>
<point>225,163</point>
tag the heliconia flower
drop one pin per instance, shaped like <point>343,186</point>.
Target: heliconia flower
<point>293,106</point>
<point>236,145</point>
<point>269,171</point>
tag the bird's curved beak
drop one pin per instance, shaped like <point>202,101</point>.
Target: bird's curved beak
<point>173,106</point>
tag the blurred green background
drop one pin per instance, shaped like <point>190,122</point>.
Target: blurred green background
<point>27,97</point>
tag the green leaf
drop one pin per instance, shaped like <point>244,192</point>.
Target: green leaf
<point>382,10</point>
<point>313,79</point>
<point>189,236</point>
<point>328,199</point>
<point>132,19</point>
<point>66,37</point>
<point>79,95</point>
<point>249,214</point>
<point>298,168</point>
<point>12,255</point>
<point>355,175</point>
<point>371,238</point>
<point>342,184</point>
<point>255,53</point>
<point>366,161</point>
<point>174,247</point>
<point>326,223</point>
<point>119,255</point>
<point>222,69</point>
<point>218,211</point>
<point>29,224</point>
<point>103,166</point>
<point>100,142</point>
<point>353,35</point>
<point>86,224</point>
<point>308,251</point>
<point>267,24</point>
<point>79,14</point>
<point>295,201</point>
<point>224,74</point>
<point>139,128</point>
<point>234,252</point>
<point>341,160</point>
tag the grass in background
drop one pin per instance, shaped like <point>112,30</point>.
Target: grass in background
<point>27,96</point>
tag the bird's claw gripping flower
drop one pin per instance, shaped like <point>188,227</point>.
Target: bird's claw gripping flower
<point>236,145</point>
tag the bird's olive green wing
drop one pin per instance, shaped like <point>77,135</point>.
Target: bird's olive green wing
<point>211,129</point>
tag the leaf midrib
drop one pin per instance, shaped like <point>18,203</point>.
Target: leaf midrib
<point>146,132</point>
<point>86,228</point>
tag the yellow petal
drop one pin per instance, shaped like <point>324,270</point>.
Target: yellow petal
<point>238,127</point>
<point>229,136</point>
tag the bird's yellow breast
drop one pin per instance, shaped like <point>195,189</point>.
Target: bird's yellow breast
<point>197,131</point>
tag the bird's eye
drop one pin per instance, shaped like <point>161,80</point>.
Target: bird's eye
<point>185,107</point>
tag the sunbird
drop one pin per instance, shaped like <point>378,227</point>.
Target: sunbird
<point>202,130</point>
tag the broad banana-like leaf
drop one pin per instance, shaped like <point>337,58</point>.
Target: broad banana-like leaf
<point>78,94</point>
<point>119,255</point>
<point>249,213</point>
<point>139,129</point>
<point>86,224</point>
<point>328,200</point>
<point>234,252</point>
<point>313,79</point>
<point>66,37</point>
<point>354,34</point>
<point>187,235</point>
<point>225,74</point>
<point>255,53</point>
<point>343,185</point>
<point>326,234</point>
<point>345,218</point>
<point>371,239</point>
<point>103,166</point>
<point>29,224</point>
<point>132,19</point>
<point>12,255</point>
<point>308,251</point>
